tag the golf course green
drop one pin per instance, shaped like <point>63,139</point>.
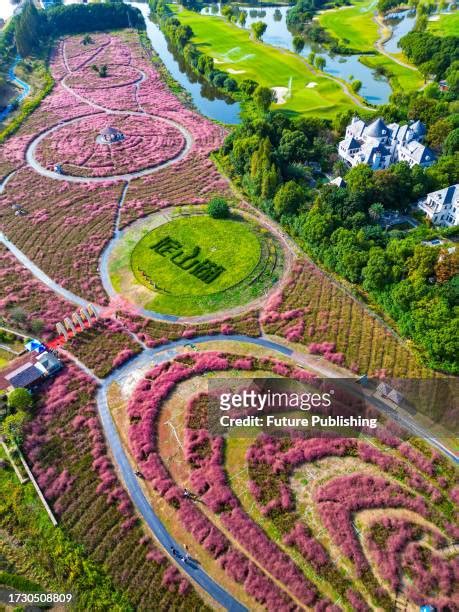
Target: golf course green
<point>446,24</point>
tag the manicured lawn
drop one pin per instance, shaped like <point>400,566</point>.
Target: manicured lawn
<point>353,25</point>
<point>446,24</point>
<point>233,50</point>
<point>227,243</point>
<point>250,258</point>
<point>402,78</point>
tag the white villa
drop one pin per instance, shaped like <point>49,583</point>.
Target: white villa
<point>379,145</point>
<point>442,206</point>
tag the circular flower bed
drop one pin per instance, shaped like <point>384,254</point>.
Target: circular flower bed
<point>80,150</point>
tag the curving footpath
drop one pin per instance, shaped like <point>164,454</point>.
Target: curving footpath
<point>33,163</point>
<point>30,152</point>
<point>301,358</point>
<point>41,276</point>
<point>149,357</point>
<point>193,570</point>
<point>385,34</point>
<point>153,356</point>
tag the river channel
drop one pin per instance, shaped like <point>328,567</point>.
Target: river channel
<point>213,104</point>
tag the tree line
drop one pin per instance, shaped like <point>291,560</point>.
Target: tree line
<point>33,27</point>
<point>180,36</point>
<point>275,159</point>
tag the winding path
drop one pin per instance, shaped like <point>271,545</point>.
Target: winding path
<point>149,357</point>
<point>385,34</point>
<point>194,570</point>
<point>121,460</point>
<point>311,362</point>
<point>31,149</point>
<point>42,276</point>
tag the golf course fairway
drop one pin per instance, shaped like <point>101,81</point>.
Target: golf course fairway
<point>235,52</point>
<point>352,23</point>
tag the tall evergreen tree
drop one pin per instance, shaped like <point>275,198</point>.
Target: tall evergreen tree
<point>29,29</point>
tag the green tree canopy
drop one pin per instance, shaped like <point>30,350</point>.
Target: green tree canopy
<point>377,273</point>
<point>288,198</point>
<point>360,180</point>
<point>293,146</point>
<point>263,97</point>
<point>259,28</point>
<point>12,426</point>
<point>298,43</point>
<point>19,399</point>
<point>451,144</point>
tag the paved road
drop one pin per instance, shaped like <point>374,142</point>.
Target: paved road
<point>304,359</point>
<point>38,273</point>
<point>150,357</point>
<point>147,359</point>
<point>194,570</point>
<point>168,351</point>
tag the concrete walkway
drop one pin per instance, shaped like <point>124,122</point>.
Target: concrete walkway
<point>311,362</point>
<point>385,34</point>
<point>193,569</point>
<point>33,163</point>
<point>41,276</point>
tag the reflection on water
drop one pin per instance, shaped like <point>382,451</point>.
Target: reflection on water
<point>209,101</point>
<point>375,89</point>
<point>401,23</point>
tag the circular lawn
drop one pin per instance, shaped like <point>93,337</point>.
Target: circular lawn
<point>194,265</point>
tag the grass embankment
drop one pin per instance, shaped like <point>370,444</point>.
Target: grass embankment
<point>446,24</point>
<point>400,78</point>
<point>35,555</point>
<point>36,74</point>
<point>353,25</point>
<point>235,52</point>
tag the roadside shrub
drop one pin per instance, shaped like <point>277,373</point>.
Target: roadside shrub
<point>218,208</point>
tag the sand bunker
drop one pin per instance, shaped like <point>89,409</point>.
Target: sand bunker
<point>311,85</point>
<point>233,71</point>
<point>281,94</point>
